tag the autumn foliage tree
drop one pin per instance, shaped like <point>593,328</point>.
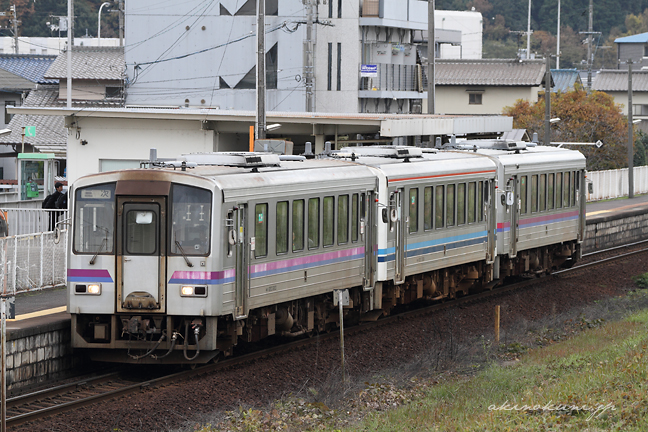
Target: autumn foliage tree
<point>583,118</point>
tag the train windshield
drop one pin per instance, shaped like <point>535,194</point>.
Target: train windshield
<point>94,219</point>
<point>190,220</point>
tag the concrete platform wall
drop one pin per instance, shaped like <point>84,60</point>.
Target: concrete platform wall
<point>604,232</point>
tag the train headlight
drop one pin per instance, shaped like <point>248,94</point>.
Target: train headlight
<point>193,291</point>
<point>92,289</point>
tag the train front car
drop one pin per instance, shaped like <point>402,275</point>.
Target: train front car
<point>139,267</point>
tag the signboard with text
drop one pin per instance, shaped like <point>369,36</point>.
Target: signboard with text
<point>369,71</point>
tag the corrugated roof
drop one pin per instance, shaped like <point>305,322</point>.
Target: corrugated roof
<point>617,80</point>
<point>490,72</point>
<point>29,67</point>
<point>564,79</point>
<point>638,38</point>
<point>104,63</point>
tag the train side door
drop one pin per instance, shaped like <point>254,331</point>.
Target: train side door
<point>397,205</point>
<point>242,261</point>
<point>142,254</point>
<point>512,202</point>
<point>367,233</point>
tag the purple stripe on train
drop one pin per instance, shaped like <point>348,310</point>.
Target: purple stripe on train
<point>301,263</point>
<point>201,277</point>
<point>89,275</point>
<point>539,220</point>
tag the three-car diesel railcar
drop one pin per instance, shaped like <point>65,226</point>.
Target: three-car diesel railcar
<point>174,265</point>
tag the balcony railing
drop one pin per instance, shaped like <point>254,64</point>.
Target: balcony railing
<point>394,77</point>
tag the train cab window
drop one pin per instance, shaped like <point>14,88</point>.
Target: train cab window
<point>313,223</point>
<point>450,205</point>
<point>481,191</point>
<point>550,192</point>
<point>94,219</point>
<point>523,194</point>
<point>190,220</point>
<point>438,205</point>
<point>343,219</point>
<point>260,230</point>
<point>559,188</point>
<point>534,193</point>
<point>282,227</point>
<point>472,202</point>
<point>461,204</point>
<point>413,210</point>
<point>329,220</point>
<point>298,225</point>
<point>566,183</point>
<point>355,219</point>
<point>542,195</point>
<point>427,208</point>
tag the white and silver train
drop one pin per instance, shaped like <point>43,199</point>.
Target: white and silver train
<point>175,264</point>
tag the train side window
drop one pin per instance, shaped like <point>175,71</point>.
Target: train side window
<point>329,220</point>
<point>450,205</point>
<point>355,219</point>
<point>461,204</point>
<point>566,189</point>
<point>313,223</point>
<point>480,199</point>
<point>559,188</point>
<point>472,201</point>
<point>413,210</point>
<point>343,219</point>
<point>427,208</point>
<point>438,204</point>
<point>550,192</point>
<point>94,219</point>
<point>542,192</point>
<point>523,194</point>
<point>534,193</point>
<point>298,225</point>
<point>282,227</point>
<point>260,230</point>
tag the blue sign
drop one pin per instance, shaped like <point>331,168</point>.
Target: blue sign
<point>368,70</point>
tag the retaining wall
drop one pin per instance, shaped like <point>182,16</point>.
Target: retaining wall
<point>603,232</point>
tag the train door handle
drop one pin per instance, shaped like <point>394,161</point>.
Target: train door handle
<point>126,259</point>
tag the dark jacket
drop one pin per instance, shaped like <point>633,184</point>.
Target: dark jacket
<point>50,201</point>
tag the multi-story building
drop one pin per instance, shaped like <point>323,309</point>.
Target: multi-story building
<point>203,54</point>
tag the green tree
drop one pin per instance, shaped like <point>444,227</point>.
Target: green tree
<point>584,118</point>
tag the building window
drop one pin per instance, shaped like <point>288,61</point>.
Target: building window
<point>113,92</point>
<point>475,98</point>
<point>330,65</point>
<point>645,50</point>
<point>339,67</point>
<point>339,8</point>
<point>8,116</point>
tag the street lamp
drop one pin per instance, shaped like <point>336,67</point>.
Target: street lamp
<point>99,22</point>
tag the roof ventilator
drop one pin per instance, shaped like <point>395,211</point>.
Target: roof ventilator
<point>235,159</point>
<point>394,152</point>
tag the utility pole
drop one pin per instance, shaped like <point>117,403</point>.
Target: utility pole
<point>309,58</point>
<point>630,135</point>
<point>431,58</point>
<point>528,53</point>
<point>589,45</point>
<point>69,54</point>
<point>260,129</point>
<point>547,138</point>
<point>120,6</point>
<point>14,22</point>
<point>558,39</point>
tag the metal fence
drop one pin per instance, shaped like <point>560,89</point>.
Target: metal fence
<point>395,77</point>
<point>27,221</point>
<point>32,261</point>
<point>614,183</point>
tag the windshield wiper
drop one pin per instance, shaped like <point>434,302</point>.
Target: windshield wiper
<point>184,255</point>
<point>101,246</point>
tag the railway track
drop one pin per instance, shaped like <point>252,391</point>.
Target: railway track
<point>45,403</point>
